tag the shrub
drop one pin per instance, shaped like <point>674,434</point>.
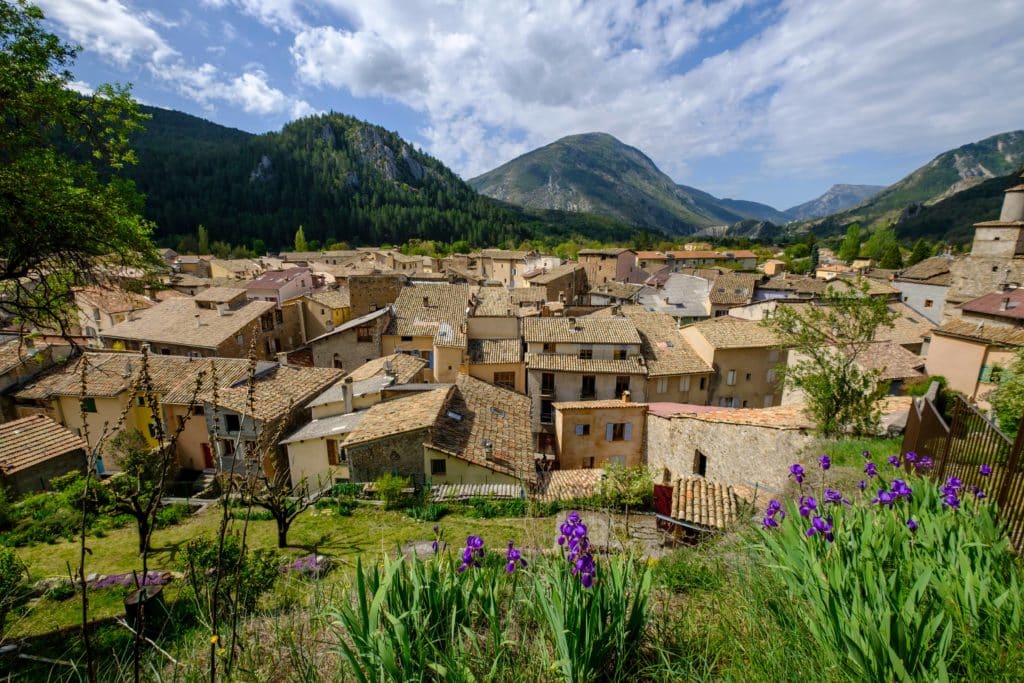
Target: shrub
<point>427,513</point>
<point>487,508</point>
<point>391,489</point>
<point>248,575</point>
<point>12,583</point>
<point>346,489</point>
<point>170,515</point>
<point>61,591</point>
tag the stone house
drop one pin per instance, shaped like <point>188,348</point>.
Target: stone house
<point>504,266</point>
<point>430,322</point>
<point>372,292</point>
<point>352,343</point>
<point>22,359</point>
<point>191,264</point>
<point>613,293</point>
<point>744,356</point>
<point>579,359</point>
<point>566,283</point>
<point>100,308</point>
<point>323,311</point>
<point>923,286</point>
<point>606,265</point>
<point>282,285</point>
<point>236,269</point>
<point>217,322</point>
<point>34,450</point>
<point>596,433</point>
<point>969,353</point>
<point>469,432</point>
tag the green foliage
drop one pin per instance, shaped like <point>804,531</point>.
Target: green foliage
<point>61,217</point>
<point>687,570</point>
<point>203,240</point>
<point>1007,399</point>
<point>169,515</point>
<point>920,252</point>
<point>246,575</point>
<point>300,243</point>
<point>391,489</point>
<point>892,257</point>
<point>888,603</point>
<point>13,574</point>
<point>850,248</point>
<point>626,487</point>
<point>427,513</point>
<point>829,338</point>
<point>489,508</point>
<point>880,244</point>
<point>142,482</point>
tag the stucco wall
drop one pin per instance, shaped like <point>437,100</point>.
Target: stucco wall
<point>192,437</point>
<point>401,454</point>
<point>458,471</point>
<point>486,373</point>
<point>674,393</point>
<point>574,451</point>
<point>958,360</point>
<point>740,455</point>
<point>917,296</point>
<point>345,348</point>
<point>759,391</point>
<point>568,385</point>
<point>307,461</point>
<point>37,477</point>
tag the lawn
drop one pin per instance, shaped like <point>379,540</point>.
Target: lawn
<point>369,532</point>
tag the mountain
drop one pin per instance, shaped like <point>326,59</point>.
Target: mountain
<point>596,173</point>
<point>944,177</point>
<point>342,179</point>
<point>952,219</point>
<point>835,199</point>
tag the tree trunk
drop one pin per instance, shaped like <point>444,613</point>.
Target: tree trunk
<point>282,533</point>
<point>143,525</point>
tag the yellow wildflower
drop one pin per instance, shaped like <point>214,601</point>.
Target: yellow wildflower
<point>214,639</point>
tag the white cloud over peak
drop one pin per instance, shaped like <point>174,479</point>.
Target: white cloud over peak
<point>108,27</point>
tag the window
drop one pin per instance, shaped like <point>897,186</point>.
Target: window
<point>770,377</point>
<point>619,460</point>
<point>928,303</point>
<point>332,452</point>
<point>703,383</point>
<point>684,384</point>
<point>438,467</point>
<point>549,347</point>
<point>588,463</point>
<point>744,404</point>
<point>267,322</point>
<point>747,377</point>
<point>152,430</point>
<point>700,464</point>
<point>662,385</point>
<point>619,354</point>
<point>547,412</point>
<point>773,356</point>
<point>240,339</point>
<point>506,380</point>
<point>726,401</point>
<point>88,405</point>
<point>364,333</point>
<point>586,352</point>
<point>547,382</point>
<point>618,431</point>
<point>198,410</point>
<point>730,378</point>
<point>588,387</point>
<point>406,338</point>
<point>582,430</point>
<point>140,401</point>
<point>231,423</point>
<point>621,385</point>
<point>278,316</point>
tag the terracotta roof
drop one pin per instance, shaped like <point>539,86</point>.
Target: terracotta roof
<point>403,366</point>
<point>734,288</point>
<point>597,405</point>
<point>704,503</point>
<point>238,265</point>
<point>331,298</point>
<point>111,299</point>
<point>354,323</point>
<point>174,322</point>
<point>17,352</point>
<point>908,327</point>
<point>546,278</point>
<point>561,362</point>
<point>278,390</point>
<point>894,361</point>
<point>993,304</point>
<point>432,310</point>
<point>602,252</point>
<point>932,271</point>
<point>990,333</point>
<point>810,285</point>
<point>494,430</point>
<point>584,330</point>
<point>666,351</point>
<point>219,294</point>
<point>777,417</point>
<point>569,484</point>
<point>649,255</point>
<point>227,370</point>
<point>727,332</point>
<point>493,351</point>
<point>617,290</point>
<point>452,492</point>
<point>504,254</point>
<point>406,414</point>
<point>528,295</point>
<point>493,302</point>
<point>33,440</point>
<point>275,279</point>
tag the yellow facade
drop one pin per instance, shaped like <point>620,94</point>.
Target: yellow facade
<point>459,471</point>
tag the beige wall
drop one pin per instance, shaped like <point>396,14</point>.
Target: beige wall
<point>193,436</point>
<point>574,452</point>
<point>674,391</point>
<point>760,390</point>
<point>958,360</point>
<point>307,461</point>
<point>391,343</point>
<point>486,373</point>
<point>459,471</point>
<point>447,362</point>
<point>487,327</point>
<point>319,319</point>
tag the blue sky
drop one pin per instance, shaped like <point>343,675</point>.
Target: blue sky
<point>765,100</point>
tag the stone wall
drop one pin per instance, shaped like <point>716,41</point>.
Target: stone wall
<point>37,477</point>
<point>368,293</point>
<point>974,276</point>
<point>400,454</point>
<point>344,350</point>
<point>745,456</point>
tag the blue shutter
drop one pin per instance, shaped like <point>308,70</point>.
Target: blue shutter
<point>608,431</point>
<point>627,432</point>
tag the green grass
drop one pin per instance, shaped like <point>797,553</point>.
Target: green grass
<point>847,452</point>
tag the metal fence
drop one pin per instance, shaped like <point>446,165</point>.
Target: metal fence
<point>961,445</point>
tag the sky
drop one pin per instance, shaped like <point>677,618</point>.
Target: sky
<point>765,100</point>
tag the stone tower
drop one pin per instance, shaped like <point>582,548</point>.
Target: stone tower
<point>996,258</point>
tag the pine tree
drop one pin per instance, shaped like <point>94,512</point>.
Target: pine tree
<point>920,253</point>
<point>892,258</point>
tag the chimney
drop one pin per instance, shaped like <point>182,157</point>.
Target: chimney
<point>572,322</point>
<point>282,358</point>
<point>426,302</point>
<point>198,324</point>
<point>1004,303</point>
<point>625,396</point>
<point>346,393</point>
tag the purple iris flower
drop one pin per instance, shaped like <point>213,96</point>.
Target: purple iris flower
<point>822,526</point>
<point>513,558</point>
<point>797,472</point>
<point>985,470</point>
<point>862,484</point>
<point>911,457</point>
<point>894,460</point>
<point>884,498</point>
<point>573,534</point>
<point>978,493</point>
<point>834,497</point>
<point>866,454</point>
<point>807,505</point>
<point>825,462</point>
<point>773,507</point>
<point>770,523</point>
<point>925,464</point>
<point>871,469</point>
<point>912,525</point>
<point>951,501</point>
<point>900,488</point>
<point>472,553</point>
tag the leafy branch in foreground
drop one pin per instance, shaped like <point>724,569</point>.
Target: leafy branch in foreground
<point>829,341</point>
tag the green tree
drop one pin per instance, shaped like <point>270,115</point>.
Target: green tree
<point>300,240</point>
<point>142,482</point>
<point>850,248</point>
<point>892,257</point>
<point>920,252</point>
<point>626,487</point>
<point>203,239</point>
<point>65,220</point>
<point>880,243</point>
<point>815,258</point>
<point>826,342</point>
<point>1007,399</point>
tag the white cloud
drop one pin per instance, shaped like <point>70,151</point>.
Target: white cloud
<point>816,82</point>
<point>108,27</point>
<point>80,87</point>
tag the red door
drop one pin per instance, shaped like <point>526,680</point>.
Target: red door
<point>207,456</point>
